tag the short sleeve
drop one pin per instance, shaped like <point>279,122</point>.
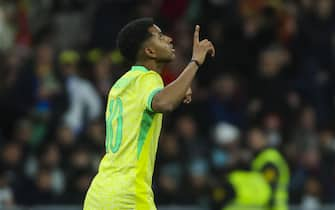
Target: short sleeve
<point>148,85</point>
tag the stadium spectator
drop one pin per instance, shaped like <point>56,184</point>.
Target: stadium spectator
<point>83,98</point>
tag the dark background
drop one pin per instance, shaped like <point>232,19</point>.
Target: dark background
<point>274,69</point>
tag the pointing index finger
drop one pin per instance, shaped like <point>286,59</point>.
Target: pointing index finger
<point>196,34</point>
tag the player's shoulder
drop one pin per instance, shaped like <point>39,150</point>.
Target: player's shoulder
<point>140,77</point>
<point>139,73</point>
<point>149,76</point>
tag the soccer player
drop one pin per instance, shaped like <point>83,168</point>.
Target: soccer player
<point>134,116</point>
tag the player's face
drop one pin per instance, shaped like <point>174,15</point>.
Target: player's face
<point>161,45</point>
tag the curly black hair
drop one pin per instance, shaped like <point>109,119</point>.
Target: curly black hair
<point>132,36</point>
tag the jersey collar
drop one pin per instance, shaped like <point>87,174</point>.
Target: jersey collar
<point>139,68</point>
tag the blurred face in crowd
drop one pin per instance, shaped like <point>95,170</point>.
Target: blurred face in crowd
<point>7,13</point>
<point>311,158</point>
<point>44,54</point>
<point>102,75</point>
<point>12,154</point>
<point>187,127</point>
<point>324,8</point>
<point>69,68</point>
<point>96,132</point>
<point>50,156</point>
<point>199,182</point>
<point>327,139</point>
<point>102,68</point>
<point>272,122</point>
<point>252,25</point>
<point>169,145</point>
<point>225,86</point>
<point>80,158</point>
<point>198,174</point>
<point>312,187</point>
<point>23,131</point>
<point>256,139</point>
<point>43,180</point>
<point>307,4</point>
<point>307,118</point>
<point>269,63</point>
<point>65,136</point>
<point>13,59</point>
<point>167,183</point>
<point>170,177</point>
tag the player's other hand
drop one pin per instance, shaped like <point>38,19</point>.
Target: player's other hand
<point>201,48</point>
<point>188,96</point>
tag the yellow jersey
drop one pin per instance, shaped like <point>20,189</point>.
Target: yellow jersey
<point>132,130</point>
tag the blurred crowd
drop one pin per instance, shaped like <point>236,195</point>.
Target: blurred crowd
<point>272,79</point>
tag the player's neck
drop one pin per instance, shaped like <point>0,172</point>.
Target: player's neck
<point>151,65</point>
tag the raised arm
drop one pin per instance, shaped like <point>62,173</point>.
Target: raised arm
<point>173,94</point>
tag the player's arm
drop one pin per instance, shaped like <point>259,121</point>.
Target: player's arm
<point>171,96</point>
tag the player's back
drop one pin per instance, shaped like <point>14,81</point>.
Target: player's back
<point>132,131</point>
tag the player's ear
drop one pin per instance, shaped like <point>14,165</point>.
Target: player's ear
<point>150,52</point>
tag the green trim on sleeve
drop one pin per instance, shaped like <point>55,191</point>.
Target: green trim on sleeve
<point>150,98</point>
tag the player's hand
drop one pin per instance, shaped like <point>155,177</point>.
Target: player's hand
<point>188,96</point>
<point>201,48</point>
